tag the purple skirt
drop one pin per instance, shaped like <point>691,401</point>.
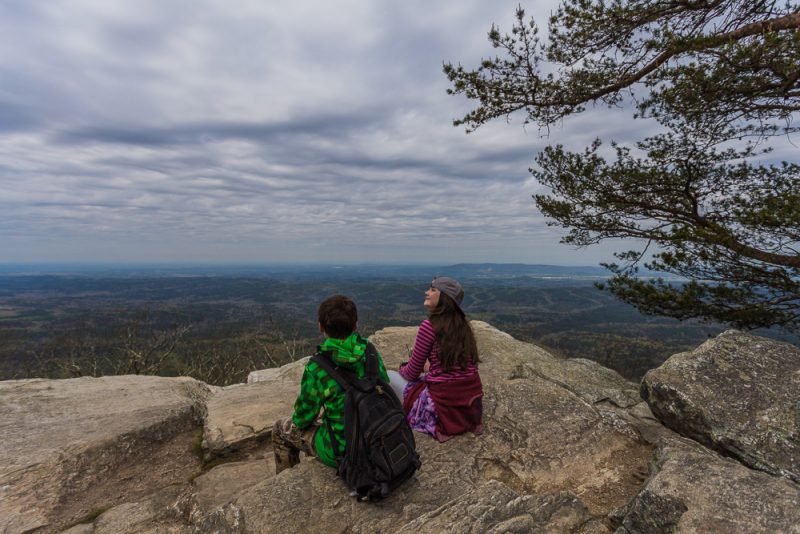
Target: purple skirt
<point>422,416</point>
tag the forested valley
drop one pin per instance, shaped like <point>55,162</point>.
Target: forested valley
<point>219,324</point>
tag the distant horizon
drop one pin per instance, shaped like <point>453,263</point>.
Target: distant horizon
<point>464,271</point>
<point>282,264</point>
<point>461,270</point>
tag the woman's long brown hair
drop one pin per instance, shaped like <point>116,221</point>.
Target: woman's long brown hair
<point>457,347</point>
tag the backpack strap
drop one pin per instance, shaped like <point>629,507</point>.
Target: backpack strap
<point>371,365</point>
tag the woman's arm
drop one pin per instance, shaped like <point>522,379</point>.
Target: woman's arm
<point>423,345</point>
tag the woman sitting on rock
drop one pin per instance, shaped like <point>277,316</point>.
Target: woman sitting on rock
<point>447,400</point>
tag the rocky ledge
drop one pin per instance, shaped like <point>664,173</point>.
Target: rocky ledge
<point>569,446</point>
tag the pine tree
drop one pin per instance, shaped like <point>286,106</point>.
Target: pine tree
<point>723,79</point>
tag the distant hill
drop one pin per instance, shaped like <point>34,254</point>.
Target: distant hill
<point>466,272</point>
<point>307,270</point>
<point>491,270</point>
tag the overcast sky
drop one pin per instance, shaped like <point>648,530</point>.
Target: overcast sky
<point>264,131</point>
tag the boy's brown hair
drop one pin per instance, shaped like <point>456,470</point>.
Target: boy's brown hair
<point>338,316</point>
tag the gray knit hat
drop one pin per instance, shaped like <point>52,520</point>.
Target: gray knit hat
<point>449,287</point>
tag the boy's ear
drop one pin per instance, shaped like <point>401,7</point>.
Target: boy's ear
<point>321,328</point>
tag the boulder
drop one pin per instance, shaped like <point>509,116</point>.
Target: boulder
<point>162,511</point>
<point>241,417</point>
<point>693,489</point>
<point>738,394</point>
<point>221,485</point>
<point>289,372</point>
<point>72,446</point>
<point>505,357</point>
<point>493,507</point>
<point>202,506</point>
<point>544,443</point>
<point>566,448</point>
<point>395,344</point>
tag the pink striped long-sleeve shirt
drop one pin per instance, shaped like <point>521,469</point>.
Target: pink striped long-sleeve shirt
<point>427,348</point>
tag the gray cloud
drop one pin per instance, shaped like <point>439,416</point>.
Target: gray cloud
<point>262,131</point>
<point>14,117</point>
<point>200,133</point>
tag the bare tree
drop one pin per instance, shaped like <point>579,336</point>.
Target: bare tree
<point>145,349</point>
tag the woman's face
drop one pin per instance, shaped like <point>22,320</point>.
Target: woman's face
<point>432,298</point>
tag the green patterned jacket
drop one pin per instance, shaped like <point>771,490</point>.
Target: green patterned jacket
<point>318,391</point>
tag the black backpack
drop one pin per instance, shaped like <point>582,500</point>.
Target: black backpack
<point>380,452</point>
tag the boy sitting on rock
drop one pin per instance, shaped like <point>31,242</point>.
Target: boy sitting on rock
<point>318,391</point>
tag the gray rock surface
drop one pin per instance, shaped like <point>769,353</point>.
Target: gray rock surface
<point>566,449</point>
<point>289,372</point>
<point>693,489</point>
<point>541,439</point>
<point>395,344</point>
<point>494,508</point>
<point>241,417</point>
<point>222,485</point>
<point>738,394</point>
<point>509,358</point>
<point>199,507</point>
<point>82,437</point>
<point>162,511</point>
